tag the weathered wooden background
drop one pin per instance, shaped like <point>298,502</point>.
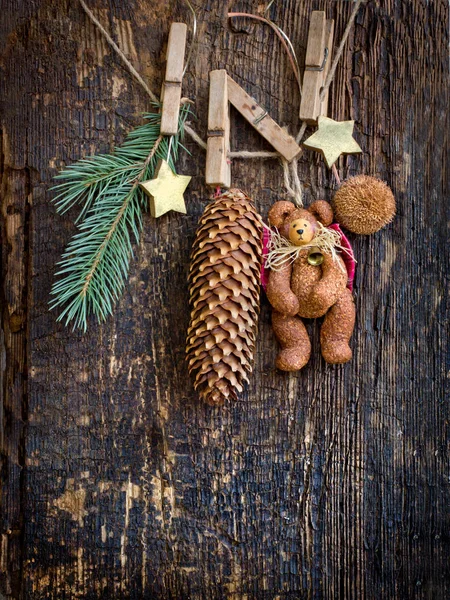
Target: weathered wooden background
<point>116,483</point>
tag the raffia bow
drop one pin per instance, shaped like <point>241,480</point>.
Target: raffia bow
<point>282,252</point>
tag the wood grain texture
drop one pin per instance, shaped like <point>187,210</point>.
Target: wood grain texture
<point>329,39</point>
<point>217,166</point>
<point>327,484</point>
<point>310,105</point>
<point>172,86</point>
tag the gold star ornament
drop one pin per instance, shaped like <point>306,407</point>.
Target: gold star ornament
<point>332,139</point>
<point>166,190</point>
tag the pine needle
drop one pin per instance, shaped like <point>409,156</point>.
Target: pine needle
<point>95,264</point>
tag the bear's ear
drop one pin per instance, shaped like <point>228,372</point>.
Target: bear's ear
<point>279,211</point>
<point>323,211</point>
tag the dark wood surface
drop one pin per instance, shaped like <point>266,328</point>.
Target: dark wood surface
<point>331,483</point>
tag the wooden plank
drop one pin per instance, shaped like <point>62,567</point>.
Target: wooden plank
<point>176,47</point>
<point>171,92</point>
<point>316,39</point>
<point>329,36</point>
<point>218,112</point>
<point>170,111</point>
<point>218,171</point>
<point>326,484</point>
<point>261,121</point>
<point>218,168</point>
<point>14,288</point>
<point>310,105</point>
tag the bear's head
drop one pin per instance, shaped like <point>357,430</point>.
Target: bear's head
<point>299,225</point>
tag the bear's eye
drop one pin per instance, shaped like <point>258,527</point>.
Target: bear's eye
<point>294,226</point>
<point>305,224</point>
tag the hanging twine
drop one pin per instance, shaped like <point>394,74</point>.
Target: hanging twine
<point>292,182</point>
<point>290,172</point>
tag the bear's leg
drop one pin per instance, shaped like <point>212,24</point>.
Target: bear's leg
<point>294,340</point>
<point>337,329</point>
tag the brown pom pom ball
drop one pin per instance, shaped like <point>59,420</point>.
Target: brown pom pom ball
<point>364,204</point>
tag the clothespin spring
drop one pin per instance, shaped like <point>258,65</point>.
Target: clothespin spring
<point>322,66</point>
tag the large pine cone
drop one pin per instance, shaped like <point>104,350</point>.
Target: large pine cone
<point>224,284</point>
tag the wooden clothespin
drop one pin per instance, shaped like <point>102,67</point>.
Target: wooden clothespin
<point>317,64</point>
<point>171,90</point>
<point>218,170</point>
<point>284,143</point>
<point>223,89</point>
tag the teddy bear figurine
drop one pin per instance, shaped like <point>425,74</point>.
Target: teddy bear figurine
<point>307,288</point>
<point>302,289</point>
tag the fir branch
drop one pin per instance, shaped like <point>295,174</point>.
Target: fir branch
<point>95,265</point>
